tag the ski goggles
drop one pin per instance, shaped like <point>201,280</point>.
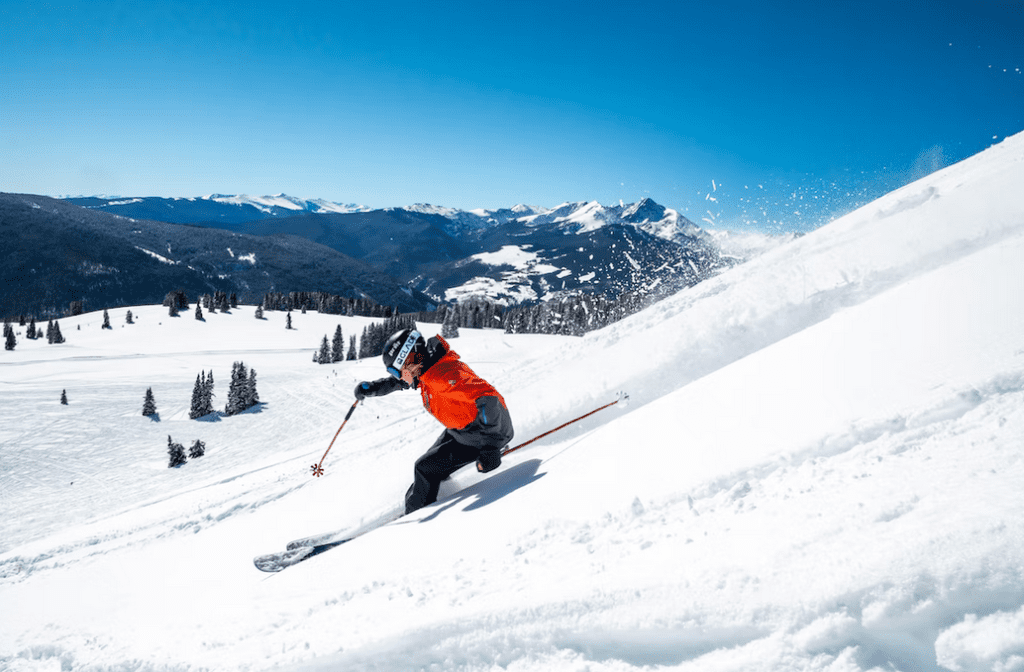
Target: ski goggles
<point>410,342</point>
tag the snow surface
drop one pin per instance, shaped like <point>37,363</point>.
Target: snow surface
<point>820,468</point>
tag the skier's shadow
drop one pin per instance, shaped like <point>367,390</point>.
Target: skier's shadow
<point>492,489</point>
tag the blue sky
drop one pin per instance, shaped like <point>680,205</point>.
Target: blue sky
<point>771,115</point>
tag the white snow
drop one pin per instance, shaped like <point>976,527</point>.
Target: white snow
<point>589,217</point>
<point>267,203</point>
<point>515,283</point>
<point>820,468</point>
<point>158,257</point>
<point>508,255</point>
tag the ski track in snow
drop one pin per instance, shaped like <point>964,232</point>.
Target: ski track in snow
<point>819,469</point>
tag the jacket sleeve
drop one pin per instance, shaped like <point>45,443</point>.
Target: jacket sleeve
<point>379,388</point>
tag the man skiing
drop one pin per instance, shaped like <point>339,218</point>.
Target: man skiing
<point>477,422</point>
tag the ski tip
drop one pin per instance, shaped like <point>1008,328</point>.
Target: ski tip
<point>275,562</point>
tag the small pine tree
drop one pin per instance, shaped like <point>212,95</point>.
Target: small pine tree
<point>10,341</point>
<point>64,397</point>
<point>55,336</point>
<point>128,317</point>
<point>242,392</point>
<point>176,452</point>
<point>288,321</point>
<point>198,449</point>
<point>106,319</point>
<point>173,310</point>
<point>234,404</point>
<point>259,312</point>
<point>208,394</point>
<point>199,311</point>
<point>352,347</point>
<point>31,333</point>
<point>252,397</point>
<point>149,403</point>
<point>196,408</point>
<point>450,327</point>
<point>337,346</point>
<point>324,356</point>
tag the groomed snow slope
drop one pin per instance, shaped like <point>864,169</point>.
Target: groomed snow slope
<point>819,469</point>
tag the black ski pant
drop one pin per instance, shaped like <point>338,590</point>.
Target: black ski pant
<point>482,440</point>
<point>443,459</point>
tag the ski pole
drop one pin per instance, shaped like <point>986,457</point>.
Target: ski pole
<point>318,469</point>
<point>623,397</point>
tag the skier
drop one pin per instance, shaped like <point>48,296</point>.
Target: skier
<point>477,422</point>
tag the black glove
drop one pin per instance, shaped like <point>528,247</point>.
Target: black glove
<point>490,459</point>
<point>378,388</point>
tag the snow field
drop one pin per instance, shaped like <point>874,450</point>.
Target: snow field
<point>819,469</point>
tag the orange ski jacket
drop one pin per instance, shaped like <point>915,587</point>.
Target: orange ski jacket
<point>450,389</point>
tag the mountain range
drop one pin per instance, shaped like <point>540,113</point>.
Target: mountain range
<point>522,253</point>
<point>111,251</point>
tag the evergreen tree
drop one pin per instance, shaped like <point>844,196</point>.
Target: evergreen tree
<point>31,333</point>
<point>337,346</point>
<point>252,397</point>
<point>449,328</point>
<point>259,312</point>
<point>196,408</point>
<point>176,452</point>
<point>173,310</point>
<point>288,321</point>
<point>352,347</point>
<point>324,356</point>
<point>149,403</point>
<point>106,319</point>
<point>199,311</point>
<point>64,397</point>
<point>235,387</point>
<point>57,337</point>
<point>198,449</point>
<point>176,298</point>
<point>365,343</point>
<point>207,404</point>
<point>9,341</point>
<point>233,300</point>
<point>128,317</point>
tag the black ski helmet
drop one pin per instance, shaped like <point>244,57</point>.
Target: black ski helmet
<point>399,347</point>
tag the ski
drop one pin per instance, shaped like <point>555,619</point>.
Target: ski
<point>308,547</point>
<point>275,562</point>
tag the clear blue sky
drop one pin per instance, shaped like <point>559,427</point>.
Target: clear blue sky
<point>782,112</point>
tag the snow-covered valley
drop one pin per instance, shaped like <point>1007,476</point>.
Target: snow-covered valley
<point>820,468</point>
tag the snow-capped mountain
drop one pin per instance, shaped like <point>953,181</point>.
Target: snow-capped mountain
<point>521,253</point>
<point>577,217</point>
<point>215,209</point>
